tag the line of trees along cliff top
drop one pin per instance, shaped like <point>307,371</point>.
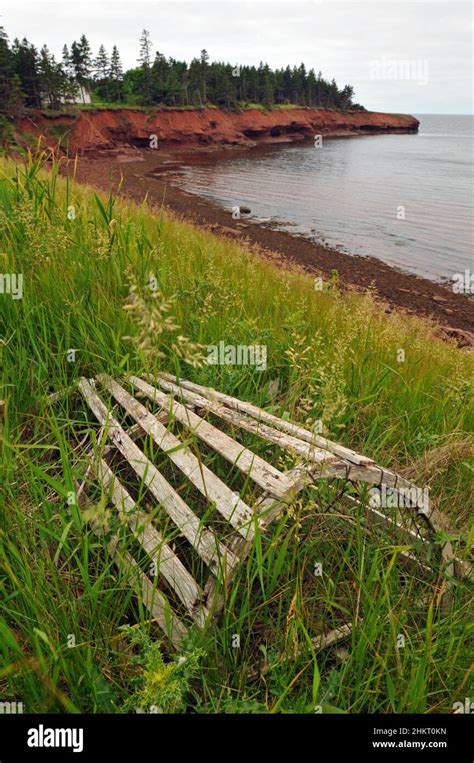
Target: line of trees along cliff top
<point>32,78</point>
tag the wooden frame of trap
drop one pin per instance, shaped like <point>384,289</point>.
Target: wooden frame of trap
<point>191,405</point>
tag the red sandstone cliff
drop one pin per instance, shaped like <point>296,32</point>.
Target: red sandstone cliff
<point>107,129</point>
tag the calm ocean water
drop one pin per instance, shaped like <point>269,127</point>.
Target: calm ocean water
<point>349,193</point>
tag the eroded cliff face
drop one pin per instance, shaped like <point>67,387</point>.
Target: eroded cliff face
<point>89,131</point>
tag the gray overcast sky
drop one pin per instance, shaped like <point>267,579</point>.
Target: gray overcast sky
<point>343,39</point>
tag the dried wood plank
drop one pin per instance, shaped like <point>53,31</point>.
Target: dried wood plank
<point>230,505</point>
<point>378,475</point>
<point>267,509</point>
<point>152,598</point>
<point>54,397</point>
<point>278,423</point>
<point>332,637</point>
<point>263,474</point>
<point>134,432</point>
<point>168,564</point>
<point>320,642</point>
<point>209,548</point>
<point>249,424</point>
<point>372,474</point>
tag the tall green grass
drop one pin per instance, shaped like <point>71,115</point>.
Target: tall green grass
<point>331,357</point>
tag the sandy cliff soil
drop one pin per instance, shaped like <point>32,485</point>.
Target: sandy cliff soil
<point>89,131</point>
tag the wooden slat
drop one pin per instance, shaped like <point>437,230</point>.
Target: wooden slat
<point>230,505</point>
<point>263,474</point>
<point>285,426</point>
<point>152,598</point>
<point>267,509</point>
<point>324,640</point>
<point>168,564</point>
<point>202,539</point>
<point>135,432</point>
<point>249,424</point>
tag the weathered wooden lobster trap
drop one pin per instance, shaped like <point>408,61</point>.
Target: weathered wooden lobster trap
<point>182,423</point>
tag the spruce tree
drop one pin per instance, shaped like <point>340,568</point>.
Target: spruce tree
<point>145,65</point>
<point>16,98</point>
<point>81,63</point>
<point>204,73</point>
<point>86,59</point>
<point>102,72</point>
<point>66,61</point>
<point>26,66</point>
<point>6,65</point>
<point>116,74</point>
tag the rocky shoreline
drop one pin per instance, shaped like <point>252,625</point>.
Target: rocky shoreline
<point>150,173</point>
<point>117,146</point>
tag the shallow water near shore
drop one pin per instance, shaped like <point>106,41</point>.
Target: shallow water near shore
<point>405,199</point>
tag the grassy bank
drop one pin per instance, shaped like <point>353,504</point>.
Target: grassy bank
<point>64,639</point>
